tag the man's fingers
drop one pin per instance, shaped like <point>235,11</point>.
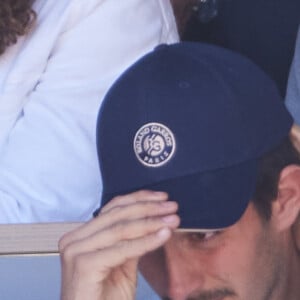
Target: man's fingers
<point>103,261</point>
<point>109,246</point>
<point>122,231</point>
<point>117,214</point>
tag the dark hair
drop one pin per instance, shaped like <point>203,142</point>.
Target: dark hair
<point>16,17</point>
<point>270,167</point>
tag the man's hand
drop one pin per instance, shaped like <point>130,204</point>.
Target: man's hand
<point>99,259</point>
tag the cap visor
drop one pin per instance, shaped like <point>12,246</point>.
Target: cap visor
<point>208,200</point>
<point>211,200</point>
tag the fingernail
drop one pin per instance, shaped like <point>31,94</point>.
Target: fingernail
<point>164,233</point>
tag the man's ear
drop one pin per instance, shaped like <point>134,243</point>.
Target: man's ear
<point>286,207</point>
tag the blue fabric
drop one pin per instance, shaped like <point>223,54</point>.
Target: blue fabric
<point>293,90</point>
<point>144,291</point>
<point>263,30</point>
<point>217,108</point>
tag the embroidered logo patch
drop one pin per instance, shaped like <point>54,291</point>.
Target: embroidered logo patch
<point>154,144</point>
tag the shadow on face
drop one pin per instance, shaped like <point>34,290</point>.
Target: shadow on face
<point>243,262</point>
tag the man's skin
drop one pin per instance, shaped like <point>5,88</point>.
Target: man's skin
<point>295,136</point>
<point>99,260</point>
<point>252,259</point>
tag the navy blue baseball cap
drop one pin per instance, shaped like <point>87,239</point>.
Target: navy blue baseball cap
<point>192,120</point>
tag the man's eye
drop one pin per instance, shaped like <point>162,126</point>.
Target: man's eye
<point>204,236</point>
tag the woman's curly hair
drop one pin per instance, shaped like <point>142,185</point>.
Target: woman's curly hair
<point>16,17</point>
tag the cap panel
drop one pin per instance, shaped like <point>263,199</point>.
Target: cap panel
<point>221,109</point>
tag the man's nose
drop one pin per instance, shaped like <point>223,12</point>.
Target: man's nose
<point>183,278</point>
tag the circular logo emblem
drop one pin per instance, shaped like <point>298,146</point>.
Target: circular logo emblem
<point>154,144</point>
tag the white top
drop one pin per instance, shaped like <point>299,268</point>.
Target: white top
<point>52,83</point>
